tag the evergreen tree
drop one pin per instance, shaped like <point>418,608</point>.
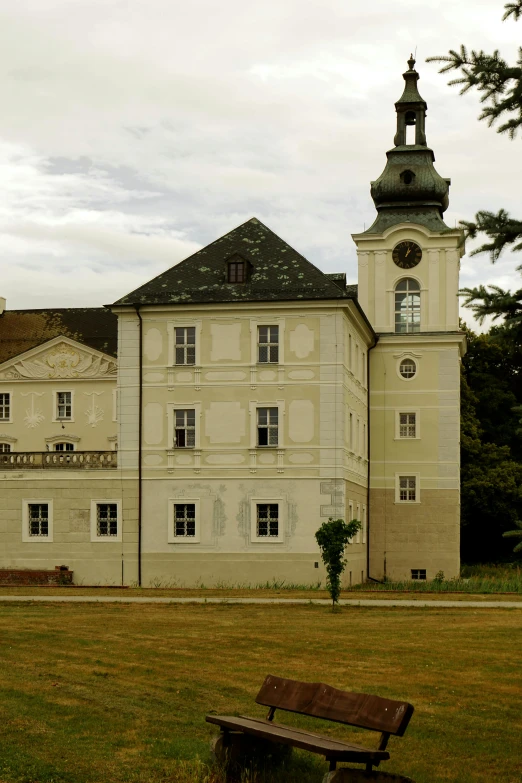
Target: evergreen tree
<point>500,88</point>
<point>491,488</point>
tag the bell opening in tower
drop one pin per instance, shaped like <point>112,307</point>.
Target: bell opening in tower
<point>410,121</point>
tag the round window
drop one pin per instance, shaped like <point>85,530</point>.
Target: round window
<point>407,368</point>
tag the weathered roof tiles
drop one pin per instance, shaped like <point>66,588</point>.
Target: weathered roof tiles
<point>277,273</point>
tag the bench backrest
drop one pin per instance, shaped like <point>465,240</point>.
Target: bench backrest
<point>323,701</point>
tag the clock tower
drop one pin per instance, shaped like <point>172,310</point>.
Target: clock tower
<point>408,287</point>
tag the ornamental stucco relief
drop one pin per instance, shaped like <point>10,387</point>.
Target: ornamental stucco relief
<point>94,413</point>
<point>63,361</point>
<point>33,415</point>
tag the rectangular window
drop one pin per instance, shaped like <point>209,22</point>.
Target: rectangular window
<point>267,520</point>
<point>236,272</point>
<point>358,536</point>
<point>5,448</point>
<point>5,406</point>
<point>267,426</point>
<point>349,351</point>
<point>418,573</point>
<point>185,345</point>
<point>38,517</point>
<point>64,405</point>
<point>185,429</point>
<point>350,441</point>
<point>107,519</point>
<point>184,520</point>
<point>407,425</point>
<point>407,489</point>
<point>268,344</point>
<point>364,524</point>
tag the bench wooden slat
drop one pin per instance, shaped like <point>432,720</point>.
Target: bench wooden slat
<point>326,746</point>
<point>322,701</point>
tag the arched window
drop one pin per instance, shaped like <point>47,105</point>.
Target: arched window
<point>407,306</point>
<point>64,446</point>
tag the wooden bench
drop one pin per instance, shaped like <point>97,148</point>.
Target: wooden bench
<point>319,701</point>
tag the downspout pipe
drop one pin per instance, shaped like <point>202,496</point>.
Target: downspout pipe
<point>370,578</point>
<point>140,438</point>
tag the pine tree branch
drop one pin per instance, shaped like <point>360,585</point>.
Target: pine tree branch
<point>499,84</point>
<point>513,9</point>
<point>494,302</point>
<point>500,228</point>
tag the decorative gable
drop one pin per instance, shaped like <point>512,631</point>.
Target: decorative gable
<point>60,358</point>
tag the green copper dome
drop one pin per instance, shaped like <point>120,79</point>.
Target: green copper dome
<point>410,189</point>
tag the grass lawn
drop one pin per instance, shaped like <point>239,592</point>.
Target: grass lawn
<point>120,692</point>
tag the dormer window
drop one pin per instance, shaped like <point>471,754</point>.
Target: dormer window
<point>237,272</point>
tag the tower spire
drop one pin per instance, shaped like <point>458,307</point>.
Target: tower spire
<point>411,108</point>
<point>410,189</point>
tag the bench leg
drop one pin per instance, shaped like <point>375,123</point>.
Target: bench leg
<point>235,751</point>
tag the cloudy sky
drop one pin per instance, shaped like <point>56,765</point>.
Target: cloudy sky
<point>132,133</point>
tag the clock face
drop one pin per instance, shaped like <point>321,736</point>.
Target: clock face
<point>407,254</point>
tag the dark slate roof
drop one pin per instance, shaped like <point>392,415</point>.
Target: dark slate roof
<point>21,330</point>
<point>277,273</point>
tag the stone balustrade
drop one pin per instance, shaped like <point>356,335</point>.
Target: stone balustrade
<point>58,460</point>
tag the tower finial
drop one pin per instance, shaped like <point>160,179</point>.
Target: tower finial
<point>411,61</point>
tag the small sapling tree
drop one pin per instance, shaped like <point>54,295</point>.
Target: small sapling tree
<point>332,538</point>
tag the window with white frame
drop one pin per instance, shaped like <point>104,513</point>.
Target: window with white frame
<point>184,345</point>
<point>407,368</point>
<point>5,448</point>
<point>64,405</point>
<point>267,427</point>
<point>185,428</point>
<point>407,489</point>
<point>267,520</point>
<point>268,344</point>
<point>184,520</point>
<point>64,446</point>
<point>364,524</point>
<point>106,520</point>
<point>358,517</point>
<point>350,517</point>
<point>350,435</point>
<point>37,520</point>
<point>407,306</point>
<point>407,425</point>
<point>5,406</point>
<point>418,573</point>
